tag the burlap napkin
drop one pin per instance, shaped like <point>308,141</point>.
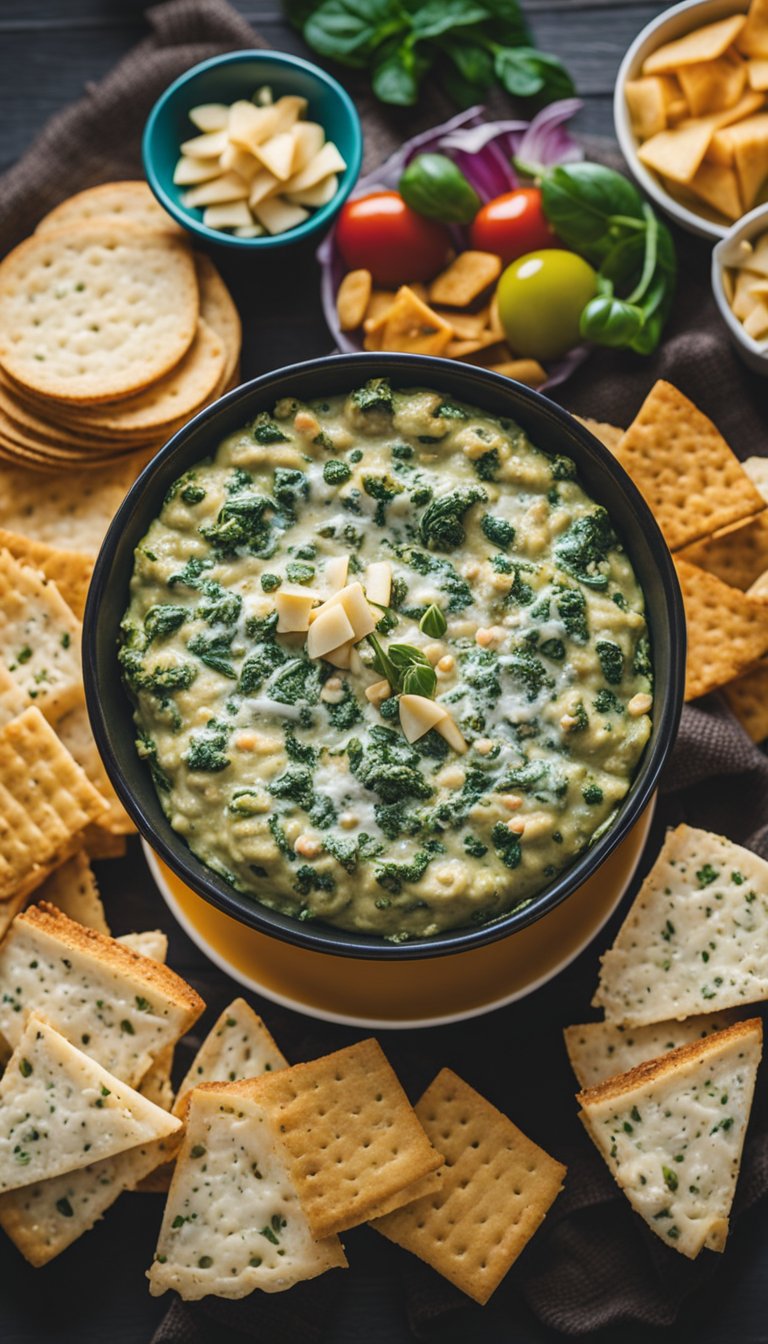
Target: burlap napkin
<point>593,1264</point>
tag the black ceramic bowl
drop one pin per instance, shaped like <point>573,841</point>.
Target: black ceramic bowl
<point>550,428</point>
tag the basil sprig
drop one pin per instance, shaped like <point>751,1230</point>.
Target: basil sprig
<point>406,668</point>
<point>602,216</point>
<point>464,46</point>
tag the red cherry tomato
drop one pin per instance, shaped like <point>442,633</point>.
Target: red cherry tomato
<point>512,225</point>
<point>383,235</point>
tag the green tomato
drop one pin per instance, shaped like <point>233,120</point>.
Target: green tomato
<point>541,297</point>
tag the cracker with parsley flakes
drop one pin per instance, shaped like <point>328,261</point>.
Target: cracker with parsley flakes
<point>44,1218</point>
<point>46,801</point>
<point>60,1110</point>
<point>73,889</point>
<point>496,1187</point>
<point>70,570</point>
<point>696,938</point>
<point>233,1220</point>
<point>39,638</point>
<point>121,1007</point>
<point>672,1133</point>
<point>600,1050</point>
<point>238,1045</point>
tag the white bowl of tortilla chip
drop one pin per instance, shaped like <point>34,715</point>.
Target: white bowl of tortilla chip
<point>736,255</point>
<point>691,209</point>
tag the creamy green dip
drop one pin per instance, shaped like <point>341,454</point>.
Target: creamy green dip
<point>278,770</point>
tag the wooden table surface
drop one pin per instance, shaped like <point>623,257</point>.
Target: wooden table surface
<point>49,49</point>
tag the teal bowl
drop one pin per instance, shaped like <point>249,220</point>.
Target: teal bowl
<point>223,79</point>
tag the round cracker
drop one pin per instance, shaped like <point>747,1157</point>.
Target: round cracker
<point>218,309</point>
<point>115,202</point>
<point>16,439</point>
<point>96,312</point>
<point>170,400</point>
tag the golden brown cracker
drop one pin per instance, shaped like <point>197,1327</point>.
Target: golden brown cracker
<point>496,1188</point>
<point>683,466</point>
<point>727,630</point>
<point>351,1134</point>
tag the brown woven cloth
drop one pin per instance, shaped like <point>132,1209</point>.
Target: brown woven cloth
<point>593,1263</point>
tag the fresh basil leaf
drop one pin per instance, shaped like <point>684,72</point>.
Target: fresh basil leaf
<point>581,199</point>
<point>433,622</point>
<point>398,73</point>
<point>406,655</point>
<point>419,681</point>
<point>434,186</point>
<point>525,72</point>
<point>473,62</point>
<point>349,31</point>
<point>440,16</point>
<point>611,321</point>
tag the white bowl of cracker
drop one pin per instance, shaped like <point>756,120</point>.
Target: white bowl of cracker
<point>740,286</point>
<point>689,111</point>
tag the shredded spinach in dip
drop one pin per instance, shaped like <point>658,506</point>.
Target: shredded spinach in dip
<point>475,592</point>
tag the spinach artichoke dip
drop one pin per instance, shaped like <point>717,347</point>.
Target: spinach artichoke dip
<point>389,661</point>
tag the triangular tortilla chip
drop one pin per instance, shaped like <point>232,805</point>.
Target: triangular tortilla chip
<point>719,187</point>
<point>237,1046</point>
<point>757,73</point>
<point>601,1050</point>
<point>60,1110</point>
<point>737,554</point>
<point>748,698</point>
<point>410,325</point>
<point>703,44</point>
<point>711,86</point>
<point>122,1007</point>
<point>680,461</point>
<point>672,1133</point>
<point>727,630</point>
<point>749,141</point>
<point>233,1221</point>
<point>696,937</point>
<point>752,40</point>
<point>677,153</point>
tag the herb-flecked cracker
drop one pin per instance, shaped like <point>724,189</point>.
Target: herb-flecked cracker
<point>727,630</point>
<point>92,312</point>
<point>121,1007</point>
<point>45,802</point>
<point>696,938</point>
<point>600,1050</point>
<point>44,1218</point>
<point>60,1110</point>
<point>238,1046</point>
<point>39,637</point>
<point>73,889</point>
<point>496,1188</point>
<point>70,570</point>
<point>352,1136</point>
<point>233,1220</point>
<point>672,1133</point>
<point>691,479</point>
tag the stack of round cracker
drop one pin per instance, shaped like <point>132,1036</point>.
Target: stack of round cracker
<point>113,332</point>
